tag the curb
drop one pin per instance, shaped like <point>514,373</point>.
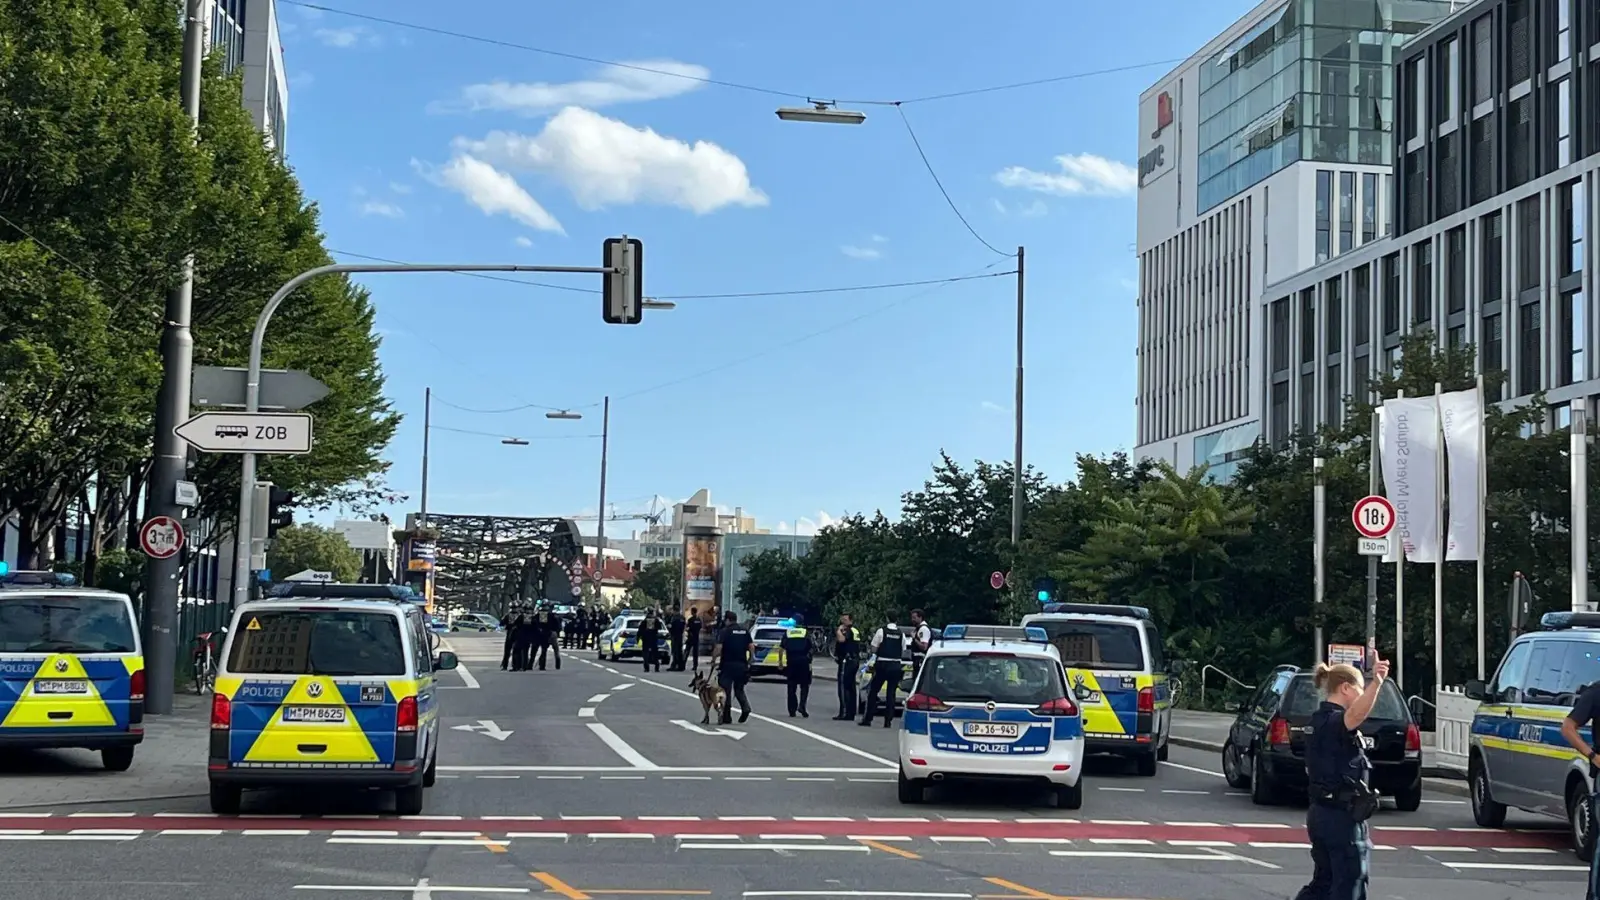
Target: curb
<point>1438,778</point>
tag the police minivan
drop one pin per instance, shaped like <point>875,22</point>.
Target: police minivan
<point>332,689</point>
<point>71,668</point>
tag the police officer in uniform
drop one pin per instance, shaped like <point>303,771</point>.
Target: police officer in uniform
<point>797,668</point>
<point>1336,765</point>
<point>523,638</point>
<point>730,656</point>
<point>693,627</point>
<point>921,640</point>
<point>508,624</point>
<point>890,647</point>
<point>847,653</point>
<point>545,627</point>
<point>675,628</point>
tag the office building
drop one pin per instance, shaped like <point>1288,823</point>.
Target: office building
<point>1495,192</point>
<point>1264,154</point>
<point>737,547</point>
<point>244,34</point>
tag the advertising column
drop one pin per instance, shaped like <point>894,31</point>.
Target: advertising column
<point>420,557</point>
<point>702,568</point>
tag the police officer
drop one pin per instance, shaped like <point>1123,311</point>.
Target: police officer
<point>921,640</point>
<point>694,625</point>
<point>523,638</point>
<point>730,656</point>
<point>545,627</point>
<point>508,623</point>
<point>650,640</point>
<point>1337,768</point>
<point>847,653</point>
<point>889,645</point>
<point>797,668</point>
<point>1586,713</point>
<point>675,628</point>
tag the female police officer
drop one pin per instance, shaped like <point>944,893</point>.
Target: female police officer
<point>1336,766</point>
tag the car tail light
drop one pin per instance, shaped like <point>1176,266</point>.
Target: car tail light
<point>1147,700</point>
<point>1413,739</point>
<point>1060,706</point>
<point>221,711</point>
<point>925,703</point>
<point>136,685</point>
<point>406,715</point>
<point>1278,731</point>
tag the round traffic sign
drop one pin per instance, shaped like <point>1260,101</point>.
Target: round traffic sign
<point>1373,516</point>
<point>997,580</point>
<point>161,537</point>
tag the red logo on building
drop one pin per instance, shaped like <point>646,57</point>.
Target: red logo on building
<point>1163,114</point>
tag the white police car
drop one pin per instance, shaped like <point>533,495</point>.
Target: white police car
<point>992,703</point>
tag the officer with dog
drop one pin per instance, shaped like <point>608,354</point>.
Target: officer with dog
<point>730,656</point>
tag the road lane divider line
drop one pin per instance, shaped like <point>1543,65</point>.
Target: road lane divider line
<point>621,777</point>
<point>192,832</point>
<point>897,838</point>
<point>492,846</point>
<point>556,886</point>
<point>1195,769</point>
<point>551,835</point>
<point>777,848</point>
<point>776,770</point>
<point>95,815</point>
<point>468,680</point>
<point>1126,842</point>
<point>1138,854</point>
<point>1513,867</point>
<point>1037,840</point>
<point>421,889</point>
<point>669,818</point>
<point>513,818</point>
<point>792,837</point>
<point>586,713</point>
<point>932,896</point>
<point>621,747</point>
<point>879,845</point>
<point>598,698</point>
<point>1021,889</point>
<point>1235,857</point>
<point>276,832</point>
<point>706,837</point>
<point>566,818</point>
<point>548,777</point>
<point>622,687</point>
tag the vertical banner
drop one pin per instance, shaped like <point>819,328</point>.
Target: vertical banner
<point>1393,556</point>
<point>1411,474</point>
<point>1462,415</point>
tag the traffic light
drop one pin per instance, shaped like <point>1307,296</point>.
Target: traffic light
<point>280,510</point>
<point>1045,589</point>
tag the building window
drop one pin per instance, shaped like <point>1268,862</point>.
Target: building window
<point>1347,211</point>
<point>1482,59</point>
<point>1280,413</point>
<point>1361,307</point>
<point>1449,81</point>
<point>1391,294</point>
<point>1324,213</point>
<point>1361,378</point>
<point>1520,155</point>
<point>1308,402</point>
<point>1492,346</point>
<point>1481,186</point>
<point>1422,283</point>
<point>1528,246</point>
<point>1416,98</point>
<point>1493,262</point>
<point>1369,206</point>
<point>1563,29</point>
<point>1334,304</point>
<point>1280,335</point>
<point>1455,245</point>
<point>1335,397</point>
<point>1457,336</point>
<point>1569,362</point>
<point>1528,345</point>
<point>1520,47</point>
<point>1308,325</point>
<point>1572,213</point>
<point>1563,117</point>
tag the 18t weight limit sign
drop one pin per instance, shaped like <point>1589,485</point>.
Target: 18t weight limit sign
<point>1374,519</point>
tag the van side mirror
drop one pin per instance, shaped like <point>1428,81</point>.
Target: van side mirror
<point>445,661</point>
<point>1475,689</point>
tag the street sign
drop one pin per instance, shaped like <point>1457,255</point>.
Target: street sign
<point>577,591</point>
<point>281,389</point>
<point>161,537</point>
<point>1372,546</point>
<point>622,297</point>
<point>185,493</point>
<point>265,433</point>
<point>1011,579</point>
<point>1373,516</point>
<point>1346,655</point>
<point>997,580</point>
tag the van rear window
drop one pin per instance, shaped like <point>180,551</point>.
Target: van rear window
<point>336,643</point>
<point>65,623</point>
<point>1026,680</point>
<point>1104,646</point>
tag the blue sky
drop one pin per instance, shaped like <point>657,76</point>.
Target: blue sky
<point>428,148</point>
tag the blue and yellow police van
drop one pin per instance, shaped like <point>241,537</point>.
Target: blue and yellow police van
<point>71,668</point>
<point>327,685</point>
<point>766,644</point>
<point>1516,756</point>
<point>1118,670</point>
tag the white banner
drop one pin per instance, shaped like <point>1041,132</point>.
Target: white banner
<point>1461,414</point>
<point>1410,457</point>
<point>1393,556</point>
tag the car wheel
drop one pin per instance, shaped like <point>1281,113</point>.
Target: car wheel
<point>1485,811</point>
<point>1147,764</point>
<point>1262,791</point>
<point>912,790</point>
<point>226,799</point>
<point>1580,817</point>
<point>408,800</point>
<point>1069,796</point>
<point>430,775</point>
<point>1233,767</point>
<point>1409,799</point>
<point>116,759</point>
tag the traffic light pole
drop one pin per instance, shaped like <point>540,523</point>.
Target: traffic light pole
<point>252,384</point>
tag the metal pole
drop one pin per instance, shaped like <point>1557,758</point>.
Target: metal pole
<point>252,382</point>
<point>1399,601</point>
<point>1438,561</point>
<point>1319,530</point>
<point>427,426</point>
<point>600,528</point>
<point>1373,464</point>
<point>1579,527</point>
<point>1016,459</point>
<point>172,407</point>
<point>1483,524</point>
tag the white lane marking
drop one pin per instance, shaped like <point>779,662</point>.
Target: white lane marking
<point>351,833</point>
<point>751,770</point>
<point>897,819</point>
<point>1426,849</point>
<point>421,842</point>
<point>1521,850</point>
<point>132,831</point>
<point>851,894</point>
<point>961,840</point>
<point>793,837</point>
<point>965,821</point>
<point>192,832</point>
<point>420,889</point>
<point>1138,854</point>
<point>621,747</point>
<point>1170,791</point>
<point>880,838</point>
<point>513,818</point>
<point>467,679</point>
<point>1194,769</point>
<point>1513,867</point>
<point>275,832</point>
<point>846,848</point>
<point>67,837</point>
<point>1258,825</point>
<point>1125,790</point>
<point>94,815</point>
<point>1195,824</point>
<point>793,778</point>
<point>686,778</point>
<point>1130,842</point>
<point>1037,840</point>
<point>1235,857</point>
<point>823,819</point>
<point>1279,845</point>
<point>748,778</point>
<point>873,780</point>
<point>706,837</point>
<point>433,818</point>
<point>747,818</point>
<point>586,713</point>
<point>615,777</point>
<point>1402,828</point>
<point>20,831</point>
<point>500,777</point>
<point>557,777</point>
<point>550,835</point>
<point>669,818</point>
<point>619,835</point>
<point>1117,822</point>
<point>598,698</point>
<point>45,815</point>
<point>567,818</point>
<point>622,687</point>
<point>1200,843</point>
<point>1447,802</point>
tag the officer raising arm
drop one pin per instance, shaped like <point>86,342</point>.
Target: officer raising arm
<point>1337,768</point>
<point>1585,712</point>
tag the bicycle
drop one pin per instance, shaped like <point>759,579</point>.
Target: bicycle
<point>203,663</point>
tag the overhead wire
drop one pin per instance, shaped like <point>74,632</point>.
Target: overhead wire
<point>939,183</point>
<point>503,436</point>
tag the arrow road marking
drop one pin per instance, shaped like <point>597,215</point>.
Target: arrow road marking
<point>690,726</point>
<point>486,727</point>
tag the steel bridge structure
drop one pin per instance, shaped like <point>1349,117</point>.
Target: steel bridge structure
<point>486,562</point>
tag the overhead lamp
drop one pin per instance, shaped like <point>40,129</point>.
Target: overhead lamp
<point>563,414</point>
<point>821,111</point>
<point>514,442</point>
<point>658,304</point>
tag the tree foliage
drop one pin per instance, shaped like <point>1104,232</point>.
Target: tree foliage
<point>312,547</point>
<point>773,580</point>
<point>661,582</point>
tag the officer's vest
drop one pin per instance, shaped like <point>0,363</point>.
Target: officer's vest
<point>893,645</point>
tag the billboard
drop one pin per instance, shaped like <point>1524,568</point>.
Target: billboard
<point>702,569</point>
<point>1158,133</point>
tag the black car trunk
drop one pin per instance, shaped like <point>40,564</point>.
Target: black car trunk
<point>1384,730</point>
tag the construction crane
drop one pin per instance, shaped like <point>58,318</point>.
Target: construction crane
<point>653,515</point>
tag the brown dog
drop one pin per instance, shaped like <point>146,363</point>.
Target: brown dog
<point>711,696</point>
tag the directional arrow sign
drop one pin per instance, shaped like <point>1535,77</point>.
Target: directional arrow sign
<point>281,389</point>
<point>267,433</point>
<point>725,732</point>
<point>485,727</point>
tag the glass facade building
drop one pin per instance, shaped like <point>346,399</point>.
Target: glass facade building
<point>1313,81</point>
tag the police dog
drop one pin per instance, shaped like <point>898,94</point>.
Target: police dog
<point>710,694</point>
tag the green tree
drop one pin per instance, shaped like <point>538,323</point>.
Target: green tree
<point>774,580</point>
<point>302,547</point>
<point>661,582</point>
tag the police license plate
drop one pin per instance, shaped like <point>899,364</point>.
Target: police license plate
<point>991,729</point>
<point>61,686</point>
<point>313,714</point>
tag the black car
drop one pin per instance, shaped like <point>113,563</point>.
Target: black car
<point>1266,746</point>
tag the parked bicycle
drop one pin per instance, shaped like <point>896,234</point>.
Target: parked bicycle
<point>204,661</point>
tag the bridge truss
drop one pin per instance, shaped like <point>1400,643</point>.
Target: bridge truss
<point>485,562</point>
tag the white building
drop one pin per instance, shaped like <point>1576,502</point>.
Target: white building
<point>245,33</point>
<point>1264,154</point>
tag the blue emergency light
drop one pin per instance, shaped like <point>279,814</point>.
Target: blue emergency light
<point>37,579</point>
<point>5,567</point>
<point>1033,634</point>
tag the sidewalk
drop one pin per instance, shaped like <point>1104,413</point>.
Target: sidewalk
<point>170,763</point>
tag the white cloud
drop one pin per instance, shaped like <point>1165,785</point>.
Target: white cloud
<point>991,406</point>
<point>805,525</point>
<point>604,162</point>
<point>613,84</point>
<point>342,37</point>
<point>879,239</point>
<point>493,191</point>
<point>380,208</point>
<point>399,187</point>
<point>1083,174</point>
<point>521,241</point>
<point>860,252</point>
<point>1131,285</point>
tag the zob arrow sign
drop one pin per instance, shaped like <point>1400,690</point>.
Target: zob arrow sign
<point>265,433</point>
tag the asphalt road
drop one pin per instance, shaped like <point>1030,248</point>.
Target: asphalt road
<point>597,781</point>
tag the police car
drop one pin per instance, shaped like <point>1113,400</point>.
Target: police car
<point>1516,756</point>
<point>621,639</point>
<point>71,668</point>
<point>992,702</point>
<point>766,644</point>
<point>336,688</point>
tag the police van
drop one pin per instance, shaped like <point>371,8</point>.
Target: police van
<point>992,703</point>
<point>327,685</point>
<point>1118,672</point>
<point>71,668</point>
<point>1516,756</point>
<point>766,644</point>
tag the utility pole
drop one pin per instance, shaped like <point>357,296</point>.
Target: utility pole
<point>1319,530</point>
<point>1579,528</point>
<point>1372,561</point>
<point>172,408</point>
<point>427,426</point>
<point>1016,463</point>
<point>600,522</point>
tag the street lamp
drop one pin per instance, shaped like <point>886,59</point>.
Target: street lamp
<point>821,111</point>
<point>563,414</point>
<point>427,429</point>
<point>605,440</point>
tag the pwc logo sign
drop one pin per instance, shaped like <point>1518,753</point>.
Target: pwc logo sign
<point>1154,160</point>
<point>1163,114</point>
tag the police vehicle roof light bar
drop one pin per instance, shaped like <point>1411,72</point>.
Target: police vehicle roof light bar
<point>1558,621</point>
<point>27,578</point>
<point>1098,609</point>
<point>1032,634</point>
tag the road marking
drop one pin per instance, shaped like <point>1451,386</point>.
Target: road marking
<point>413,889</point>
<point>586,713</point>
<point>1170,791</point>
<point>557,886</point>
<point>598,698</point>
<point>1279,845</point>
<point>467,679</point>
<point>1426,849</point>
<point>592,818</point>
<point>620,835</point>
<point>276,832</point>
<point>1195,824</point>
<point>778,847</point>
<point>877,844</point>
<point>706,837</point>
<point>1117,822</point>
<point>878,837</point>
<point>132,831</point>
<point>792,778</point>
<point>492,846</point>
<point>741,770</point>
<point>857,894</point>
<point>1037,840</point>
<point>1228,854</point>
<point>896,819</point>
<point>192,832</point>
<point>793,837</point>
<point>1513,867</point>
<point>552,835</point>
<point>1195,769</point>
<point>556,777</point>
<point>1125,790</point>
<point>961,840</point>
<point>747,818</point>
<point>608,777</point>
<point>621,747</point>
<point>1521,850</point>
<point>513,818</point>
<point>1124,842</point>
<point>347,833</point>
<point>1136,854</point>
<point>1200,843</point>
<point>823,819</point>
<point>479,841</point>
<point>669,818</point>
<point>970,821</point>
<point>622,687</point>
<point>94,815</point>
<point>1020,889</point>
